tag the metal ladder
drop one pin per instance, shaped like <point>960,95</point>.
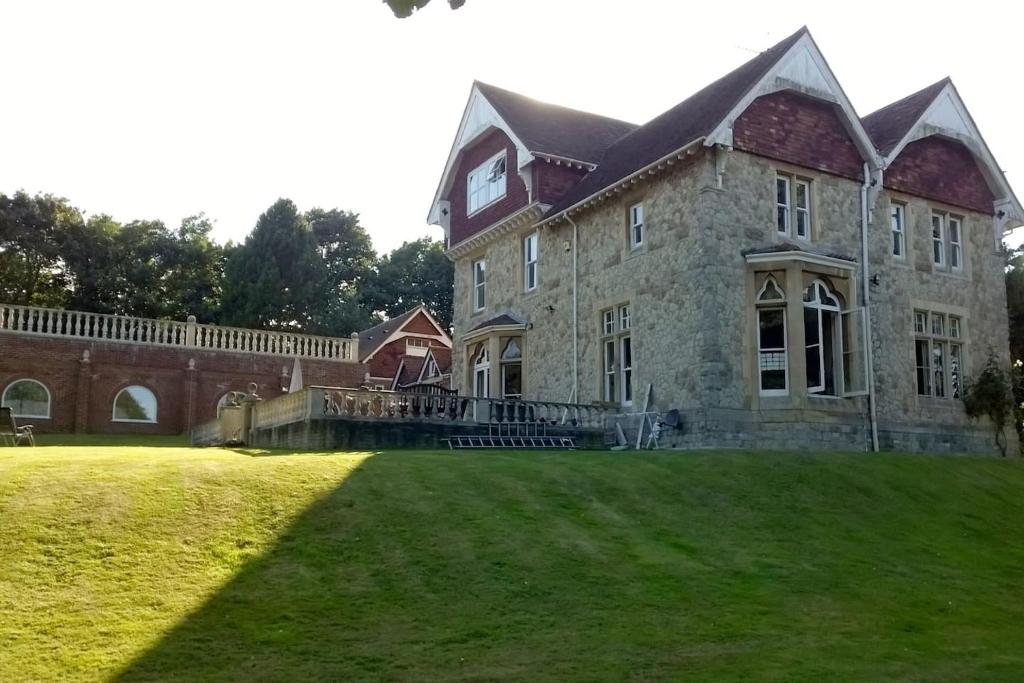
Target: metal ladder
<point>512,435</point>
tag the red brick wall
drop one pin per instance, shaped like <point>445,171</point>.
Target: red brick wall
<point>552,181</point>
<point>419,325</point>
<point>799,130</point>
<point>183,396</point>
<point>515,197</point>
<point>941,169</point>
<point>385,362</point>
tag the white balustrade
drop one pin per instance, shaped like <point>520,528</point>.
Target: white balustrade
<point>61,323</point>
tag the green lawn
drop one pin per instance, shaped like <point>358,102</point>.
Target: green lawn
<point>168,563</point>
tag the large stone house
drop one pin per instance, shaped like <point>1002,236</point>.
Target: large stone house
<point>724,254</point>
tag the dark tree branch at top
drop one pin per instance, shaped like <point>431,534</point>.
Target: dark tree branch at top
<point>404,8</point>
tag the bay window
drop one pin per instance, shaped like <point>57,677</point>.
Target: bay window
<point>512,369</point>
<point>834,344</point>
<point>772,364</point>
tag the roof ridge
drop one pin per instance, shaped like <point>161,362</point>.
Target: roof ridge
<point>941,82</point>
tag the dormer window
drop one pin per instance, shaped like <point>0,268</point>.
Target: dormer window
<point>486,183</point>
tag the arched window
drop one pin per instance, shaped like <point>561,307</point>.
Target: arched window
<point>27,398</point>
<point>481,371</point>
<point>135,404</point>
<point>512,370</point>
<point>822,337</point>
<point>772,360</point>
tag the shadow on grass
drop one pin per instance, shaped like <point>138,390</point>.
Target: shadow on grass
<point>314,606</point>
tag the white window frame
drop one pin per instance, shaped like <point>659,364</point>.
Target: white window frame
<point>49,399</point>
<point>837,339</point>
<point>636,225</point>
<point>765,305</point>
<point>897,226</point>
<point>479,290</point>
<point>617,371</point>
<point>802,211</point>
<point>797,218</point>
<point>482,372</point>
<point>956,251</point>
<point>943,336</point>
<point>939,221</point>
<point>784,206</point>
<point>531,251</point>
<point>479,182</point>
<point>156,406</point>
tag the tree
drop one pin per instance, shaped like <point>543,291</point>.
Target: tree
<point>1015,301</point>
<point>989,395</point>
<point>405,8</point>
<point>32,268</point>
<point>414,273</point>
<point>277,278</point>
<point>196,271</point>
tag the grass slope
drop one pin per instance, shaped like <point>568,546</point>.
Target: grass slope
<point>165,563</point>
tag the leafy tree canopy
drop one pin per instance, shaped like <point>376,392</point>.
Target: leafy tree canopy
<point>405,8</point>
<point>416,272</point>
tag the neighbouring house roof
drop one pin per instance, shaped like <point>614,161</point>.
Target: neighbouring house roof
<point>496,321</point>
<point>371,339</point>
<point>891,123</point>
<point>409,370</point>
<point>553,129</point>
<point>442,357</point>
<point>693,118</point>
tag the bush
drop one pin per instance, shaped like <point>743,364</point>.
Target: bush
<point>990,395</point>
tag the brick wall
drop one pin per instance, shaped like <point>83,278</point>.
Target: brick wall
<point>799,130</point>
<point>82,393</point>
<point>940,169</point>
<point>552,181</point>
<point>515,197</point>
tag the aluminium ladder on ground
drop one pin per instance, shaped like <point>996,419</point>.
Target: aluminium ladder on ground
<point>512,435</point>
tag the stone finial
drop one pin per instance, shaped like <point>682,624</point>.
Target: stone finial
<point>191,363</point>
<point>190,319</point>
<point>86,356</point>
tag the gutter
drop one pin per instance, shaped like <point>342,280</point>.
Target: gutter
<point>866,286</point>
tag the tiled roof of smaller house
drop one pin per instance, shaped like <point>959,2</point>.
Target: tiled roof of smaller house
<point>553,129</point>
<point>888,125</point>
<point>691,119</point>
<point>411,366</point>
<point>371,339</point>
<point>503,319</point>
<point>443,357</point>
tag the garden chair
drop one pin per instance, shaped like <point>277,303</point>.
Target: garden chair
<point>11,433</point>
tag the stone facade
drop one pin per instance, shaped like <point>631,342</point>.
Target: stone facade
<point>692,294</point>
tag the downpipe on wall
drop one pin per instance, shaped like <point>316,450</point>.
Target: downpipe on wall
<point>575,317</point>
<point>866,285</point>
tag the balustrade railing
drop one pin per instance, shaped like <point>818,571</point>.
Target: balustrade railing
<point>105,327</point>
<point>411,406</point>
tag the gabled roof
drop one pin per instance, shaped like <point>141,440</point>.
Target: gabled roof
<point>497,321</point>
<point>409,370</point>
<point>939,110</point>
<point>370,340</point>
<point>891,123</point>
<point>555,130</point>
<point>693,118</point>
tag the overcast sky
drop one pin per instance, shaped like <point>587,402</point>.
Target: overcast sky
<point>164,109</point>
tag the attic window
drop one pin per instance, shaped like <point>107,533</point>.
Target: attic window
<point>486,183</point>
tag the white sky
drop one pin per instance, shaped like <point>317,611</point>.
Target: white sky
<point>164,109</point>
